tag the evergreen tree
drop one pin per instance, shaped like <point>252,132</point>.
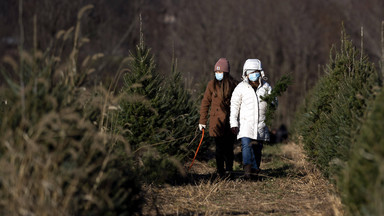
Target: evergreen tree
<point>178,115</point>
<point>362,184</point>
<point>335,106</point>
<point>55,140</point>
<point>140,90</point>
<point>158,116</point>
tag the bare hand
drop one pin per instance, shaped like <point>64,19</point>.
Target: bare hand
<point>235,130</point>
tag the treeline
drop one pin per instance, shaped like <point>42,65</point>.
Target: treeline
<point>288,36</point>
<point>70,149</point>
<point>339,124</point>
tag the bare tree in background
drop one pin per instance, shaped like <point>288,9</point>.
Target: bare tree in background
<point>287,36</point>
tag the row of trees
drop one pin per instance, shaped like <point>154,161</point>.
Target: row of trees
<point>70,149</point>
<point>363,180</point>
<point>329,125</point>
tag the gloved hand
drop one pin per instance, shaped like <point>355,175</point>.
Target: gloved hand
<point>201,126</point>
<point>235,130</point>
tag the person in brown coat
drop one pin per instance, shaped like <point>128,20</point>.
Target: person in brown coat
<point>216,101</point>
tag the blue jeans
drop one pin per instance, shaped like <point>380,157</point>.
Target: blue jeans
<point>248,153</point>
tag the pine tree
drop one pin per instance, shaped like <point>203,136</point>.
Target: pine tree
<point>158,116</point>
<point>59,146</point>
<point>141,86</point>
<point>178,115</point>
<point>334,108</point>
<point>362,183</point>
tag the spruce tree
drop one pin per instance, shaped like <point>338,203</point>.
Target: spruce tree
<point>178,115</point>
<point>60,142</point>
<point>334,108</point>
<point>362,182</point>
<point>158,117</point>
<point>140,89</point>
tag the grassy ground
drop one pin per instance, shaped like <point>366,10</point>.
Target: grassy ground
<point>287,185</point>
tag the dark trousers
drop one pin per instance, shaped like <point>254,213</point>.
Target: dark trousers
<point>224,152</point>
<point>257,149</point>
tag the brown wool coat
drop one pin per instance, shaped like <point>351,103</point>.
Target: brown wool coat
<point>219,112</point>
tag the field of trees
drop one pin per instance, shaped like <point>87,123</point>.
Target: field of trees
<point>288,36</point>
<point>99,106</point>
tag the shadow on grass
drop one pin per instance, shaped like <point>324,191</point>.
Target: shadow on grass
<point>281,169</point>
<point>203,213</point>
<point>194,179</point>
<point>279,172</point>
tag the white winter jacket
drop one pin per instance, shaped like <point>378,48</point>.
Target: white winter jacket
<point>248,110</point>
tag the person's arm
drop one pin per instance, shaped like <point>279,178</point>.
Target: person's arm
<point>205,104</point>
<point>235,108</point>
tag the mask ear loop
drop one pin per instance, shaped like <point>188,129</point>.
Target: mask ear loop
<point>263,76</point>
<point>244,76</point>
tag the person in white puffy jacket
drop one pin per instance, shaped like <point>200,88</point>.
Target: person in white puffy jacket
<point>247,114</point>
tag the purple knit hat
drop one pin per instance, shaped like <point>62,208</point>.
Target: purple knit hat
<point>222,65</point>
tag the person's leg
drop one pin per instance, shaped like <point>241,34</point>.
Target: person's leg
<point>229,156</point>
<point>257,149</point>
<point>245,150</point>
<point>219,155</point>
<point>249,161</point>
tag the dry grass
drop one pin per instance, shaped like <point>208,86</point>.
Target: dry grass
<point>57,139</point>
<point>288,185</point>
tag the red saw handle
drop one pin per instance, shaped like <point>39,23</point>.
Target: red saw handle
<point>202,136</point>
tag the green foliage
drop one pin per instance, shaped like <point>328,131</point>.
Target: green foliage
<point>140,90</point>
<point>143,78</point>
<point>56,149</point>
<point>51,140</point>
<point>362,182</point>
<point>333,110</point>
<point>177,115</point>
<point>159,170</point>
<point>161,120</point>
<point>280,87</point>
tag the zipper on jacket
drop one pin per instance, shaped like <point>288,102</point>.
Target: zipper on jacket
<point>257,119</point>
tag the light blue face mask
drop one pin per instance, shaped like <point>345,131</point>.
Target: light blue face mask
<point>254,76</point>
<point>219,76</point>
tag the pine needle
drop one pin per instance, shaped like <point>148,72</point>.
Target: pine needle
<point>271,99</point>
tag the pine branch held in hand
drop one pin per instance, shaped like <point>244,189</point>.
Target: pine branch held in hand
<point>271,99</point>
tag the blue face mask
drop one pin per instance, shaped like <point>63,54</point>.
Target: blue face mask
<point>219,76</point>
<point>254,76</point>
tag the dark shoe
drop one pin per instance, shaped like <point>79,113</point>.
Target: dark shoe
<point>229,175</point>
<point>255,174</point>
<point>247,171</point>
<point>255,171</point>
<point>221,174</point>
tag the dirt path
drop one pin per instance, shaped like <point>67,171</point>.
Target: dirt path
<point>286,186</point>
